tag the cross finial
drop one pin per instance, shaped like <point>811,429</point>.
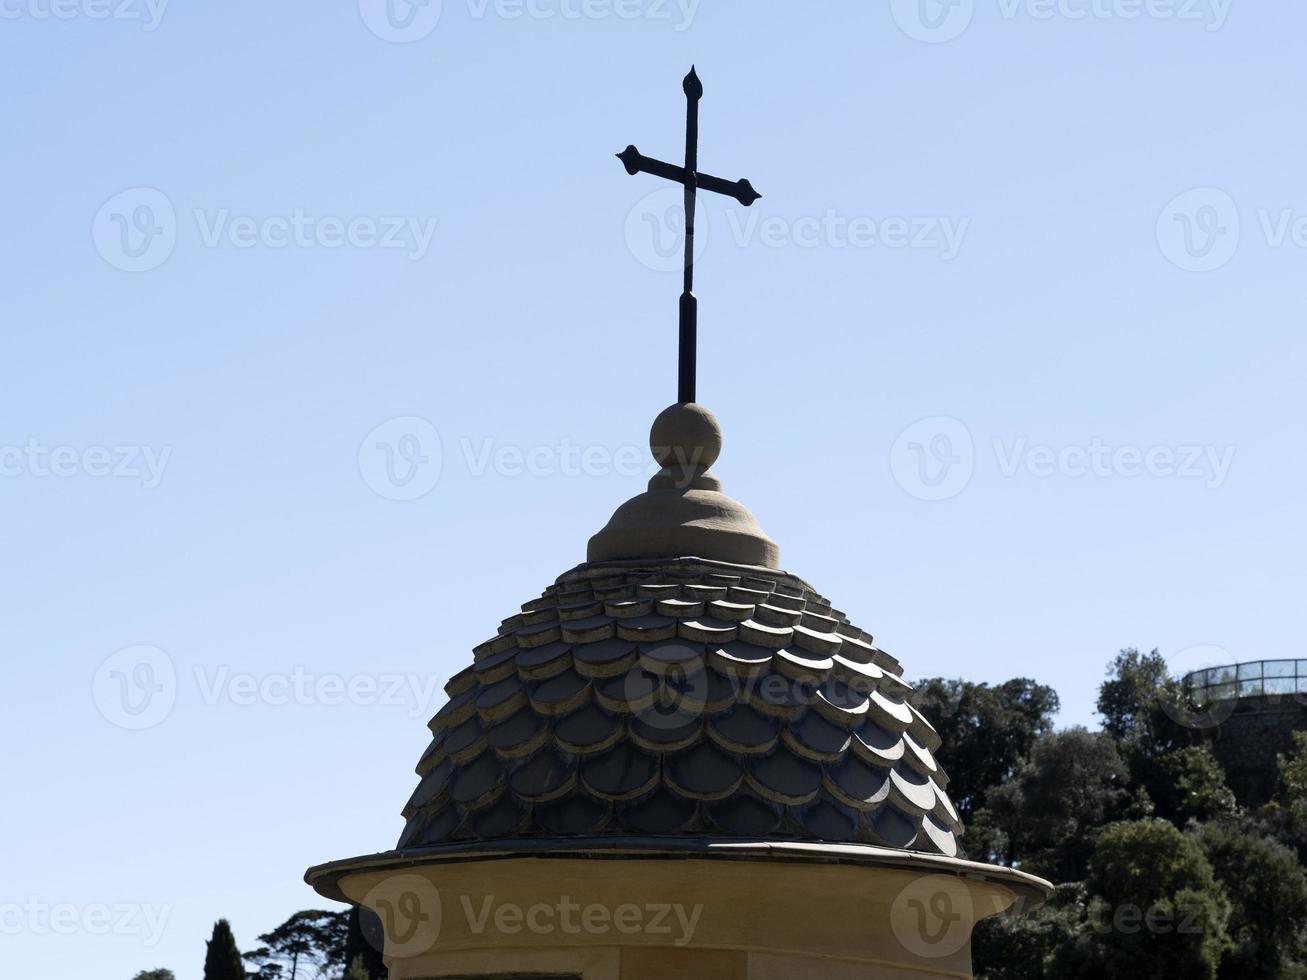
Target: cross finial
<point>690,177</point>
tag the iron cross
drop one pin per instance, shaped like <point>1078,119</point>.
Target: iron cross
<point>693,180</point>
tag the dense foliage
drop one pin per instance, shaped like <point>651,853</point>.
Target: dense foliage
<point>1159,871</point>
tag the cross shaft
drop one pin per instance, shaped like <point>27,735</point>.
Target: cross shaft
<point>690,177</point>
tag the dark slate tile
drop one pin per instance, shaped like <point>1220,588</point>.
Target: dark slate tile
<point>589,730</point>
<point>703,772</point>
<point>591,630</point>
<point>658,732</point>
<point>783,777</point>
<point>575,816</point>
<point>635,690</point>
<point>432,786</point>
<point>465,743</point>
<point>799,665</point>
<point>608,658</point>
<point>745,815</point>
<point>545,776</point>
<point>478,784</point>
<point>544,662</point>
<point>659,814</point>
<point>813,737</point>
<point>857,784</point>
<point>890,828</point>
<point>622,773</point>
<point>940,838</point>
<point>744,730</point>
<point>889,712</point>
<point>911,792</point>
<point>458,710</point>
<point>647,629</point>
<point>828,821</point>
<point>876,745</point>
<point>501,701</point>
<point>494,669</point>
<point>519,735</point>
<point>505,819</point>
<point>561,694</point>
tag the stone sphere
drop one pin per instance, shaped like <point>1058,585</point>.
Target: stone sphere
<point>686,434</point>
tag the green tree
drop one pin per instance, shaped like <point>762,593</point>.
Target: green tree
<point>308,944</point>
<point>1156,907</point>
<point>1130,701</point>
<point>364,940</point>
<point>222,957</point>
<point>1268,889</point>
<point>986,731</point>
<point>155,975</point>
<point>1191,786</point>
<point>1293,785</point>
<point>1074,782</point>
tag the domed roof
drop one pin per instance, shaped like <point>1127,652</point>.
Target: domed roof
<point>703,693</point>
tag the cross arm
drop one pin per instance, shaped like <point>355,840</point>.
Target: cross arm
<point>636,162</point>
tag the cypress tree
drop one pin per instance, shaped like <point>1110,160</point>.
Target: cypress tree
<point>222,961</point>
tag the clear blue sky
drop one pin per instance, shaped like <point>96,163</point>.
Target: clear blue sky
<point>1131,429</point>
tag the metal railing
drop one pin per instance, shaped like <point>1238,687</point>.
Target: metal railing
<point>1259,678</point>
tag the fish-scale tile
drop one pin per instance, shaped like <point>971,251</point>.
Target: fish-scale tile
<point>703,773</point>
<point>538,636</point>
<point>496,644</point>
<point>746,596</point>
<point>680,608</point>
<point>918,756</point>
<point>707,593</point>
<point>783,777</point>
<point>580,610</point>
<point>463,681</point>
<point>574,816</point>
<point>762,635</point>
<point>433,756</point>
<point>546,776</point>
<point>456,711</point>
<point>841,704</point>
<point>543,662</point>
<point>888,711</point>
<point>815,738</point>
<point>658,590</point>
<point>647,629</point>
<point>634,691</point>
<point>923,731</point>
<point>657,732</point>
<point>590,630</point>
<point>856,784</point>
<point>505,818</point>
<point>607,658</point>
<point>744,730</point>
<point>466,742</point>
<point>911,792</point>
<point>661,813</point>
<point>589,730</point>
<point>876,745</point>
<point>432,827</point>
<point>622,773</point>
<point>704,630</point>
<point>432,787</point>
<point>802,667</point>
<point>819,644</point>
<point>519,735</point>
<point>777,696</point>
<point>941,838</point>
<point>495,668</point>
<point>734,612</point>
<point>945,813</point>
<point>745,815</point>
<point>740,660</point>
<point>478,784</point>
<point>499,702</point>
<point>891,828</point>
<point>827,820</point>
<point>561,694</point>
